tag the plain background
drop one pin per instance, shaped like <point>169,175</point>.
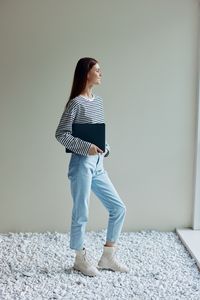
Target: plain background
<point>147,51</point>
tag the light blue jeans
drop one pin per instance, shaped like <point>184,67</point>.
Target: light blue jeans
<point>87,173</point>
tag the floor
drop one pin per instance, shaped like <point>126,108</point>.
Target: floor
<point>39,266</point>
<point>191,239</point>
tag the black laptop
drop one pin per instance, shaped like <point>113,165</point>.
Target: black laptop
<point>90,132</point>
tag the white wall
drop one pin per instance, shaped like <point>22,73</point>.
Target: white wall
<point>147,50</point>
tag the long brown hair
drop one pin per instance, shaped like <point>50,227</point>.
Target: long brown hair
<point>83,66</point>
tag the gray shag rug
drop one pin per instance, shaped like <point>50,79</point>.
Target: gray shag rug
<point>39,266</point>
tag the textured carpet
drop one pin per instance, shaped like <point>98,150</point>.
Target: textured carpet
<point>39,266</point>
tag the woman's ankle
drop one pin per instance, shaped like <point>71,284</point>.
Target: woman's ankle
<point>109,244</point>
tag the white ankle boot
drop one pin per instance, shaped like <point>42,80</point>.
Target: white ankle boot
<point>108,261</point>
<point>82,264</point>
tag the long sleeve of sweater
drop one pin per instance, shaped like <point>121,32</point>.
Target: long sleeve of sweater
<point>64,132</point>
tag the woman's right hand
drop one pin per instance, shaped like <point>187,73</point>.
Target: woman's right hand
<point>94,150</point>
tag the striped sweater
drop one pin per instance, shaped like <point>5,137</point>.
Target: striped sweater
<point>80,110</point>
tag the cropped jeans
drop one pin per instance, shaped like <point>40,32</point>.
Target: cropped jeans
<point>87,173</point>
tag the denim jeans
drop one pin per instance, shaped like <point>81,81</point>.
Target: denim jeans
<point>87,173</point>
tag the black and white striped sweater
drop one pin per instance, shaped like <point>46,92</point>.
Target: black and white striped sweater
<point>80,110</point>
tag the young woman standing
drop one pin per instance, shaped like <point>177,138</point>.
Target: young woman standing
<point>86,171</point>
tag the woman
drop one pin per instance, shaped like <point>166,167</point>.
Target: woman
<point>86,171</point>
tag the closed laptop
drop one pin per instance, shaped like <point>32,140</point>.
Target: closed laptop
<point>90,132</point>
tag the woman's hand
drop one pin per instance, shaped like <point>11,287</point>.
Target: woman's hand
<point>94,150</point>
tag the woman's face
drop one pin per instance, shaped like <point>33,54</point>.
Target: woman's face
<point>94,75</point>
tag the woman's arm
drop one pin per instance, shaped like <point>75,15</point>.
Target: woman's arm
<point>64,132</point>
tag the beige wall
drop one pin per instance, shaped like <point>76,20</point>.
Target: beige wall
<point>147,50</point>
